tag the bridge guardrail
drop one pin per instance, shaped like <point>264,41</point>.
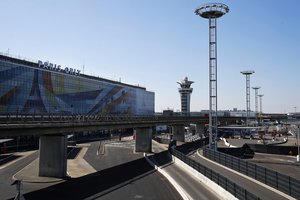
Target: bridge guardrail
<point>78,118</point>
<point>236,190</point>
<point>281,182</point>
<point>45,118</point>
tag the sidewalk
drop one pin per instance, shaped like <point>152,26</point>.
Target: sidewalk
<point>75,168</point>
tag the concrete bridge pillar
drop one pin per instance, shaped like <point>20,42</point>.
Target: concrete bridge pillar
<point>53,156</point>
<point>178,133</point>
<point>143,139</point>
<point>200,129</point>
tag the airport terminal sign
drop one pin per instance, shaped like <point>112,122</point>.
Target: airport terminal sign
<point>55,67</point>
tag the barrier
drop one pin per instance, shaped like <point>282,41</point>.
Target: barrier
<point>236,190</point>
<point>281,182</point>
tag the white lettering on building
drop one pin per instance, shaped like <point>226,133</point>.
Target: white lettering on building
<point>55,67</point>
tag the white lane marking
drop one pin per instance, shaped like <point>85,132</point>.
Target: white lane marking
<point>22,156</point>
<point>179,189</point>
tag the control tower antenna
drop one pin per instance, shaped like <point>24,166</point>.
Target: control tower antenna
<point>256,88</point>
<point>185,91</point>
<point>247,74</point>
<point>211,12</point>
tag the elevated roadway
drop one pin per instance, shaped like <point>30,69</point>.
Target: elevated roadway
<point>41,125</point>
<point>53,129</point>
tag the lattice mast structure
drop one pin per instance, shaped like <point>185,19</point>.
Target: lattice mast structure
<point>247,73</point>
<point>211,12</point>
<point>256,88</point>
<point>260,102</point>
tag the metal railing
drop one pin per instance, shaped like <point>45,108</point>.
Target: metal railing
<point>44,118</point>
<point>281,182</point>
<point>9,118</point>
<point>236,190</point>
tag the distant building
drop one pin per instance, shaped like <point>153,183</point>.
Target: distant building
<point>221,113</point>
<point>168,112</point>
<point>185,91</point>
<point>230,113</point>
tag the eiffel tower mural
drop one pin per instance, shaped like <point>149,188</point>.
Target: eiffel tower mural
<point>34,102</point>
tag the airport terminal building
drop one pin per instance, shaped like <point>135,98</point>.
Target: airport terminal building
<point>46,88</point>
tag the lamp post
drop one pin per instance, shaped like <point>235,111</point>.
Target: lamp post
<point>212,12</point>
<point>256,100</point>
<point>298,156</point>
<point>260,102</point>
<point>247,73</point>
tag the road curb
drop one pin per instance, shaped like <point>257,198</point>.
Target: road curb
<point>179,189</point>
<point>221,192</point>
<point>249,178</point>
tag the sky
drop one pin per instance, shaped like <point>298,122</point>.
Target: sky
<point>156,43</point>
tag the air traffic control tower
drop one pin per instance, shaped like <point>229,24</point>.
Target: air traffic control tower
<point>185,91</point>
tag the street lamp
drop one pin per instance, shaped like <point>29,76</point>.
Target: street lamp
<point>298,156</point>
<point>256,101</point>
<point>212,12</point>
<point>247,74</point>
<point>260,102</point>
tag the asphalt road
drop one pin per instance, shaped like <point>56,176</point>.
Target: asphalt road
<point>281,163</point>
<point>128,174</point>
<point>253,187</point>
<point>6,190</point>
<point>121,174</point>
<point>192,186</point>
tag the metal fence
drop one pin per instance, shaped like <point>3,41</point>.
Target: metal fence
<point>236,190</point>
<point>284,183</point>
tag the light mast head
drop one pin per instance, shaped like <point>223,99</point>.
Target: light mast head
<point>256,87</point>
<point>247,72</point>
<point>212,10</point>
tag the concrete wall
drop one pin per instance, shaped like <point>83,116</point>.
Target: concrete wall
<point>209,183</point>
<point>143,139</point>
<point>200,128</point>
<point>53,156</point>
<point>178,133</point>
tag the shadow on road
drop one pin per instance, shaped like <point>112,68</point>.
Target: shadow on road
<point>97,184</point>
<point>7,158</point>
<point>73,152</point>
<point>162,159</point>
<point>190,147</point>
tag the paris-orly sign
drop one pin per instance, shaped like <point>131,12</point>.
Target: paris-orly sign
<point>55,67</point>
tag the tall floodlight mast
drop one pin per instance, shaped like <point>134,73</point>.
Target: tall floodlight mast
<point>211,12</point>
<point>247,74</point>
<point>260,102</point>
<point>256,88</point>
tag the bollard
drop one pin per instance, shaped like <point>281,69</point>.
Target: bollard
<point>18,184</point>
